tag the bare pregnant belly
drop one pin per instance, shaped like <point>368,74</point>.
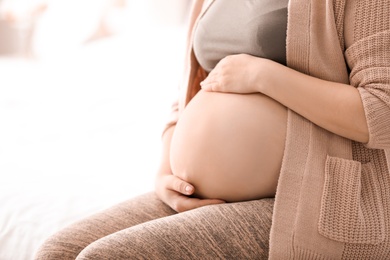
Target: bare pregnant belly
<point>230,146</point>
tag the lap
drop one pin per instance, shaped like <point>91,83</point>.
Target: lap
<point>68,243</point>
<point>145,227</point>
<point>226,231</point>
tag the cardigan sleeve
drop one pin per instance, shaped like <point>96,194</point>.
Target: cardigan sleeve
<point>369,60</point>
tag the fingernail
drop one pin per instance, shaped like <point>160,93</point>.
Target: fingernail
<point>188,189</point>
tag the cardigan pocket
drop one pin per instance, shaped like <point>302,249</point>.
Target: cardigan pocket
<point>351,206</point>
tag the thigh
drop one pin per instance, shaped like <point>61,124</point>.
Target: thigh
<point>69,242</point>
<point>226,231</point>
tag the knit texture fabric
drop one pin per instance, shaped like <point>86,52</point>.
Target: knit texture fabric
<point>146,228</point>
<point>333,196</point>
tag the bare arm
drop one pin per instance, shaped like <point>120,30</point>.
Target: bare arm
<point>333,106</point>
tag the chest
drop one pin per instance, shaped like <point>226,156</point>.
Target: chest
<point>255,27</point>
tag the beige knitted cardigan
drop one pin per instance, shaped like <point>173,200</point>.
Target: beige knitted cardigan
<point>333,195</point>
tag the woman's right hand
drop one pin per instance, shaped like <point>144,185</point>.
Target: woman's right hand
<point>175,192</point>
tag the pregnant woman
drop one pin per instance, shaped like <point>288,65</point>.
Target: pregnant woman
<point>230,146</point>
<point>283,115</point>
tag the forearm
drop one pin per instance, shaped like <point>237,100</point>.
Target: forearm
<point>335,107</point>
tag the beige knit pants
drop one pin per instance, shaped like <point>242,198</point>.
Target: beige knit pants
<point>146,228</point>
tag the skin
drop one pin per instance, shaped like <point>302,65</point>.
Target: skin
<point>171,189</point>
<point>230,146</point>
<point>338,109</point>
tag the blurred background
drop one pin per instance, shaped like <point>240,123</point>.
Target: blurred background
<point>85,90</point>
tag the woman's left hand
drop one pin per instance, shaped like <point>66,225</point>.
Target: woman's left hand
<point>235,74</point>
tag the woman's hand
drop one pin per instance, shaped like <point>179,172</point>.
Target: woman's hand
<point>235,74</point>
<point>336,107</point>
<point>175,193</point>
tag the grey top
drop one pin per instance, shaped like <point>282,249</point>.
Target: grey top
<point>255,27</point>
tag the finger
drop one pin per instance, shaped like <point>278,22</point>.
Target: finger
<point>205,202</point>
<point>210,84</point>
<point>193,203</point>
<point>183,203</point>
<point>215,82</point>
<point>178,185</point>
<point>212,77</point>
<point>206,86</point>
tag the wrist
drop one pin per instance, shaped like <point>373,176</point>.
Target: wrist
<point>269,77</point>
<point>263,76</point>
